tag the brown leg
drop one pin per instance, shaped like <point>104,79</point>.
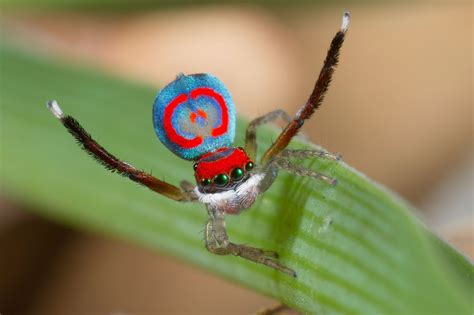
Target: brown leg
<point>218,243</point>
<point>112,163</point>
<point>316,97</point>
<point>251,132</point>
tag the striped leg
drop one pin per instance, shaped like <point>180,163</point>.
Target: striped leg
<point>316,97</point>
<point>251,132</point>
<point>304,154</point>
<point>285,164</point>
<point>112,163</point>
<point>217,242</point>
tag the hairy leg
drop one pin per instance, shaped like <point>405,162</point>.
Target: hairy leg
<point>251,131</point>
<point>316,97</point>
<point>304,154</point>
<point>285,164</point>
<point>112,163</point>
<point>217,242</point>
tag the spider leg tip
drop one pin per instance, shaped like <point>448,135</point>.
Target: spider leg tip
<point>55,109</point>
<point>346,17</point>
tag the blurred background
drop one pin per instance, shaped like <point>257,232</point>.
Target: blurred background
<point>399,110</point>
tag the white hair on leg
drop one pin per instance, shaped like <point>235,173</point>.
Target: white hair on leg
<point>346,17</point>
<point>55,109</point>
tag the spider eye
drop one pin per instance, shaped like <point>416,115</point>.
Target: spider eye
<point>237,174</point>
<point>205,181</point>
<point>195,166</point>
<point>221,180</point>
<point>249,166</point>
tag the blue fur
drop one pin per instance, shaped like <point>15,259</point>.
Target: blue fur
<point>185,84</point>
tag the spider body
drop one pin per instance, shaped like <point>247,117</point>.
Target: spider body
<point>224,179</point>
<point>194,117</point>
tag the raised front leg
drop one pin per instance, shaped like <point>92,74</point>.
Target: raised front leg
<point>251,132</point>
<point>316,97</point>
<point>112,163</point>
<point>218,243</point>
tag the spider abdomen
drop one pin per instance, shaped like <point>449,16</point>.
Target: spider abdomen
<point>194,115</point>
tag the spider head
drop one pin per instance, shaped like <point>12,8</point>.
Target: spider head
<point>222,170</point>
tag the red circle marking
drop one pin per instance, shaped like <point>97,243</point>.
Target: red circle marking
<point>220,100</point>
<point>191,143</point>
<point>169,129</point>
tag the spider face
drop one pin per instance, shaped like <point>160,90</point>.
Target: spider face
<point>222,170</point>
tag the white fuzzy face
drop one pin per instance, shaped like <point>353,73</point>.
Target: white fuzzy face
<point>235,200</point>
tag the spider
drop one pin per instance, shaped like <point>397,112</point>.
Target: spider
<point>194,117</point>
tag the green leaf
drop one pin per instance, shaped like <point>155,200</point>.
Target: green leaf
<point>356,247</point>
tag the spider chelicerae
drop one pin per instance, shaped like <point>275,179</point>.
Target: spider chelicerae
<point>194,117</point>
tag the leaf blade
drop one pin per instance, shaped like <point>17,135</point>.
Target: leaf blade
<point>355,246</point>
